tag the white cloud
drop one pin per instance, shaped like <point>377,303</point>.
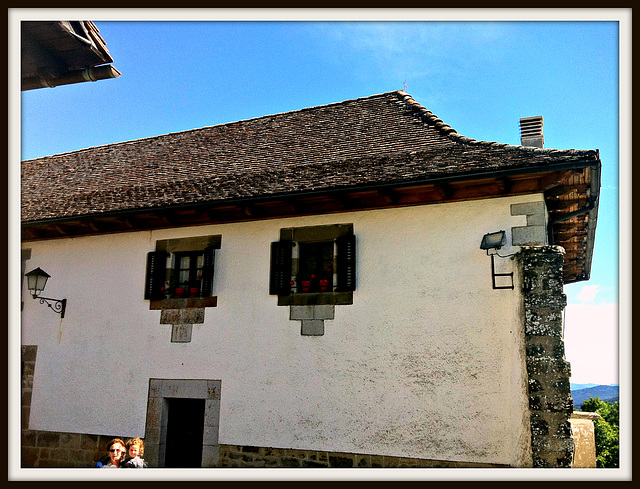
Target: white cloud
<point>588,293</point>
<point>591,343</point>
<point>416,48</point>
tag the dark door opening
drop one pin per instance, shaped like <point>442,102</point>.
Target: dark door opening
<point>185,428</point>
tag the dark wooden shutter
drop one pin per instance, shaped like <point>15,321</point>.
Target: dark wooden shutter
<point>156,274</point>
<point>280,274</point>
<point>207,271</point>
<point>346,262</point>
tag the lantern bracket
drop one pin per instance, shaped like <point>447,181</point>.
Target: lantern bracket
<point>56,305</point>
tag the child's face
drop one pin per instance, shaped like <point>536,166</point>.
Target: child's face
<point>133,451</point>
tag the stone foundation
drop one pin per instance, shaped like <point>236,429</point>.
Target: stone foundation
<point>62,450</point>
<point>247,456</point>
<point>75,450</point>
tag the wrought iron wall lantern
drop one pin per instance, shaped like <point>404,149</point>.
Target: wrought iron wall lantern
<point>36,281</point>
<point>495,241</point>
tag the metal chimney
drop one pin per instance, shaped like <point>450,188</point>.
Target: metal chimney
<point>531,132</point>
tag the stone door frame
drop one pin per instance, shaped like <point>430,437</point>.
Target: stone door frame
<point>160,390</point>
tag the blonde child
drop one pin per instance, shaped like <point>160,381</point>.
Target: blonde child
<point>135,451</point>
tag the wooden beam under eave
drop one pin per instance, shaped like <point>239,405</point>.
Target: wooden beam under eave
<point>556,204</point>
<point>268,209</point>
<point>417,195</point>
<point>94,226</point>
<point>249,210</point>
<point>554,179</point>
<point>296,206</point>
<point>566,226</point>
<point>31,234</point>
<point>127,222</point>
<point>566,235</point>
<point>570,277</point>
<point>342,200</point>
<point>504,185</point>
<point>61,230</point>
<point>475,191</point>
<point>291,206</point>
<point>525,185</point>
<point>366,200</point>
<point>390,196</point>
<point>167,219</point>
<point>223,213</point>
<point>218,215</point>
<point>562,190</point>
<point>444,190</point>
<point>572,246</point>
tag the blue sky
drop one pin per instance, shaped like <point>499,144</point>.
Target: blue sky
<point>479,77</point>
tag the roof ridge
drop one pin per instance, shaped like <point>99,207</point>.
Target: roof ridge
<point>448,131</point>
<point>419,110</point>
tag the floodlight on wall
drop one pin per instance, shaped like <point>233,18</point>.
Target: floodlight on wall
<point>495,241</point>
<point>36,281</point>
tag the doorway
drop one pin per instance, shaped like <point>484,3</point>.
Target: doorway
<point>183,420</point>
<point>185,428</point>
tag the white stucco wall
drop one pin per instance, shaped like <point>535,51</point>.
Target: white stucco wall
<point>428,361</point>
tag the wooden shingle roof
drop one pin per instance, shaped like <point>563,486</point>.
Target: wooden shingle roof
<point>379,151</point>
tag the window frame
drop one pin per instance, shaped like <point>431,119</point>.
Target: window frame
<point>314,266</point>
<point>163,266</point>
<point>286,261</point>
<point>192,270</point>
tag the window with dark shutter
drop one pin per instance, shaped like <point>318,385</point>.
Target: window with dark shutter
<point>280,279</point>
<point>346,260</point>
<point>156,273</point>
<point>314,265</point>
<point>180,272</point>
<point>207,271</point>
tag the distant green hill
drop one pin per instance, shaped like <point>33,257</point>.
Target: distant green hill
<point>604,392</point>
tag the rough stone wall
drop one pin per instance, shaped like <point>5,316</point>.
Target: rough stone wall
<point>550,402</point>
<point>75,450</point>
<point>62,450</point>
<point>27,367</point>
<point>248,456</point>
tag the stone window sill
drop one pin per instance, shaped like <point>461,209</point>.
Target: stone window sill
<point>186,303</point>
<point>316,299</point>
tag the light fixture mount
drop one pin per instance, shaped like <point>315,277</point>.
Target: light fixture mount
<point>36,282</point>
<point>495,241</point>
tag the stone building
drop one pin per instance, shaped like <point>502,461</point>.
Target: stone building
<point>349,285</point>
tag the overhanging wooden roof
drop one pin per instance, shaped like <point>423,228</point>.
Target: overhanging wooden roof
<point>63,52</point>
<point>380,151</point>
